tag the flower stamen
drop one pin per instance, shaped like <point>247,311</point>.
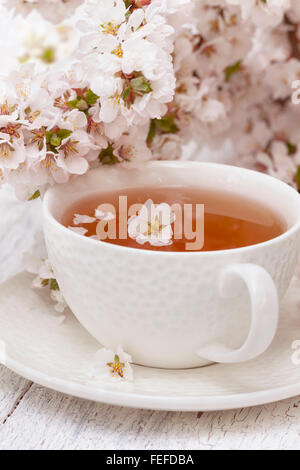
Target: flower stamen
<point>154,227</point>
<point>12,130</point>
<point>118,51</point>
<point>5,150</point>
<point>39,138</point>
<point>48,162</point>
<point>31,115</point>
<point>117,367</point>
<point>116,100</point>
<point>5,109</point>
<point>69,147</point>
<point>109,28</point>
<point>23,91</point>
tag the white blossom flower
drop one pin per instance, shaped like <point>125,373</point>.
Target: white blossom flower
<point>53,10</point>
<point>112,365</point>
<point>83,219</point>
<point>11,152</point>
<point>279,162</point>
<point>38,283</point>
<point>46,271</point>
<point>37,262</point>
<point>146,78</point>
<point>262,13</point>
<point>58,298</point>
<point>33,39</point>
<point>132,146</point>
<point>167,147</point>
<point>128,56</point>
<point>152,224</point>
<point>104,215</point>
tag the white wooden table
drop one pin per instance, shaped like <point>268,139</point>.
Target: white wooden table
<point>32,417</point>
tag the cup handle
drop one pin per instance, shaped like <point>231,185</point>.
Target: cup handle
<point>264,313</point>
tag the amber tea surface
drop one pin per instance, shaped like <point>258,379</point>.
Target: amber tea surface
<point>229,221</point>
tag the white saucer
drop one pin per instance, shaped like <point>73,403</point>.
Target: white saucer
<point>39,346</point>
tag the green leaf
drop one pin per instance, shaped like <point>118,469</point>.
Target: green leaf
<point>35,195</point>
<point>107,157</point>
<point>126,93</point>
<point>48,136</point>
<point>152,131</point>
<point>48,55</point>
<point>140,85</point>
<point>78,103</point>
<point>82,105</point>
<point>73,103</point>
<point>291,148</point>
<point>91,97</point>
<point>232,69</point>
<point>64,133</point>
<point>166,124</point>
<point>298,178</point>
<point>53,284</point>
<point>55,140</point>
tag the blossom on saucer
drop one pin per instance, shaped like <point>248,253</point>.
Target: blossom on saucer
<point>56,295</point>
<point>113,365</point>
<point>37,262</point>
<point>46,271</point>
<point>60,303</point>
<point>83,219</point>
<point>38,283</point>
<point>152,224</point>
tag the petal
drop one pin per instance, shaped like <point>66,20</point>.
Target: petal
<point>74,164</point>
<point>83,219</point>
<point>124,357</point>
<point>136,19</point>
<point>109,110</point>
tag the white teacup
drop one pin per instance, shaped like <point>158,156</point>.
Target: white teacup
<point>175,309</point>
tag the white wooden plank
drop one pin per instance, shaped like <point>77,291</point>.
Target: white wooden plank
<point>49,420</point>
<point>12,388</point>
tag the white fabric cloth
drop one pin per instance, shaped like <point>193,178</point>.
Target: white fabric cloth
<point>19,221</point>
